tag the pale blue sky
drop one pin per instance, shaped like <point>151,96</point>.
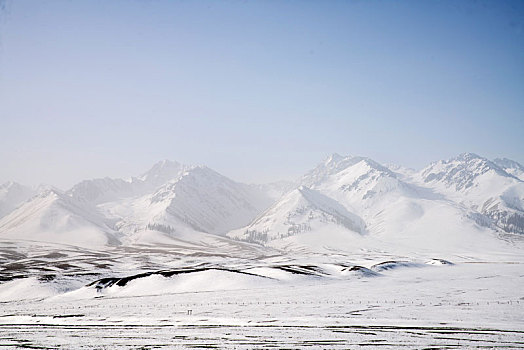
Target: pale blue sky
<point>258,90</point>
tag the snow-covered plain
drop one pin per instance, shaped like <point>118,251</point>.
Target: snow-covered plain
<point>311,301</point>
<point>352,255</point>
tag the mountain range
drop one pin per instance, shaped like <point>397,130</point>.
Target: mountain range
<point>343,201</point>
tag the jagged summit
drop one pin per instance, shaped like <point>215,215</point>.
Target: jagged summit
<point>13,194</point>
<point>13,186</point>
<point>103,190</point>
<point>53,216</point>
<point>333,158</point>
<point>210,202</point>
<point>461,171</point>
<point>467,156</point>
<point>300,210</point>
<point>359,182</point>
<point>511,167</point>
<point>98,191</point>
<point>162,172</point>
<point>8,184</point>
<point>508,163</point>
<point>494,196</point>
<point>337,164</point>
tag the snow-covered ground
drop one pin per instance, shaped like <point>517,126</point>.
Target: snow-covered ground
<point>76,298</point>
<point>475,305</point>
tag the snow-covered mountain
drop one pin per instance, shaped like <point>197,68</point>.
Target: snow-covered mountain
<point>199,199</point>
<point>53,216</point>
<point>397,207</point>
<point>104,190</point>
<point>162,172</point>
<point>210,202</point>
<point>13,194</point>
<point>344,198</point>
<point>171,199</point>
<point>464,172</point>
<point>301,210</point>
<point>98,191</point>
<point>495,197</point>
<point>511,167</point>
<point>359,182</point>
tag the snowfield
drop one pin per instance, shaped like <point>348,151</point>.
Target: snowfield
<point>352,255</point>
<point>277,302</point>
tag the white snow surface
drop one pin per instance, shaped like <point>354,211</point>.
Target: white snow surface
<point>12,195</point>
<point>493,197</point>
<point>52,216</point>
<point>511,167</point>
<point>299,211</point>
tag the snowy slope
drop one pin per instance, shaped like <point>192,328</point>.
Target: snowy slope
<point>511,167</point>
<point>13,194</point>
<point>162,172</point>
<point>98,191</point>
<point>370,190</point>
<point>495,197</point>
<point>170,201</point>
<point>358,182</point>
<point>171,195</point>
<point>198,200</point>
<point>210,202</point>
<point>400,212</point>
<point>52,216</point>
<point>301,210</point>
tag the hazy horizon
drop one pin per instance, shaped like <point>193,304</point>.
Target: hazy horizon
<point>231,176</point>
<point>258,91</point>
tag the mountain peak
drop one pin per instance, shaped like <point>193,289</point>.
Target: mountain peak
<point>209,202</point>
<point>53,216</point>
<point>14,186</point>
<point>164,164</point>
<point>511,167</point>
<point>161,172</point>
<point>508,163</point>
<point>8,184</point>
<point>12,194</point>
<point>333,158</point>
<point>462,171</point>
<point>299,211</point>
<point>468,156</point>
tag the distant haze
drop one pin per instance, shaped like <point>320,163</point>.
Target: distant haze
<point>258,90</point>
